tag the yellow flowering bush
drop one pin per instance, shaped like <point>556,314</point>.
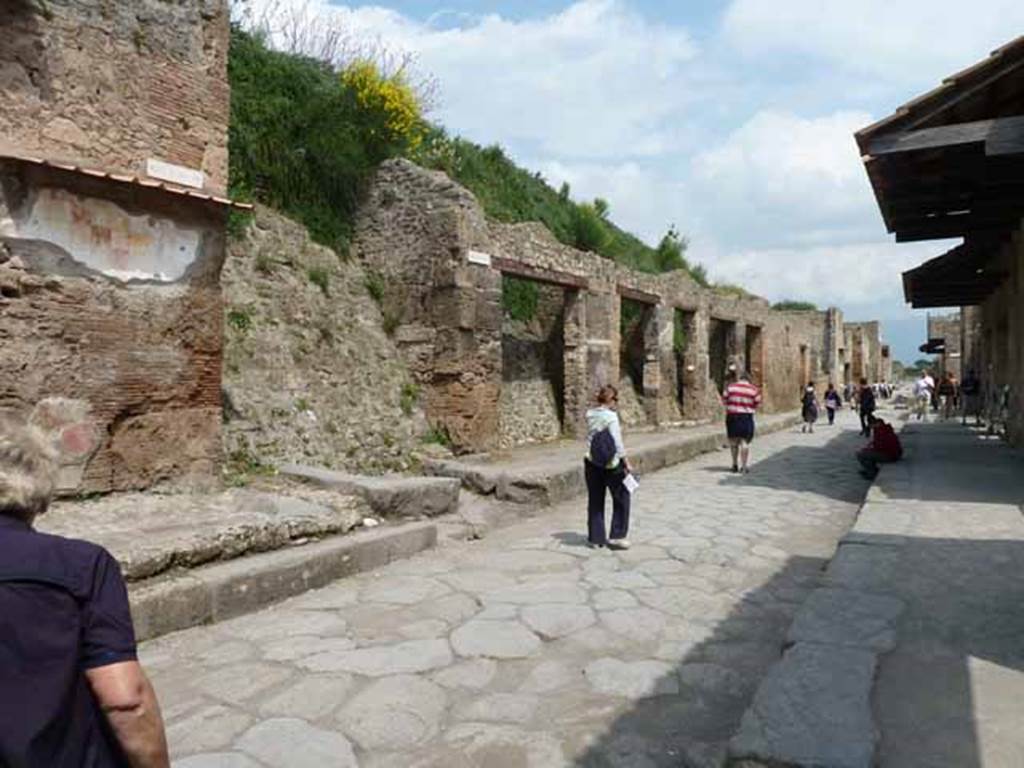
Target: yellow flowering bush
<point>389,101</point>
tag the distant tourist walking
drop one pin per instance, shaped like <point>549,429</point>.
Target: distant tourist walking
<point>947,395</point>
<point>884,448</point>
<point>741,400</point>
<point>866,401</point>
<point>605,468</point>
<point>832,403</point>
<point>71,690</point>
<point>970,398</point>
<point>809,408</point>
<point>922,396</point>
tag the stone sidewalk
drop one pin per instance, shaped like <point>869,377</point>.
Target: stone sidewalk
<point>541,475</point>
<point>912,653</point>
<point>526,648</point>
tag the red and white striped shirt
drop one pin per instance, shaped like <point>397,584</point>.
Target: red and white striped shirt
<point>741,397</point>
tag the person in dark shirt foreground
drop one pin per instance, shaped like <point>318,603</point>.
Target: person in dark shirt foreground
<point>72,693</point>
<point>884,448</point>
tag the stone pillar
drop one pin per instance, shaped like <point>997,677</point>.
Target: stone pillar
<point>660,365</point>
<point>602,328</point>
<point>575,350</point>
<point>466,383</point>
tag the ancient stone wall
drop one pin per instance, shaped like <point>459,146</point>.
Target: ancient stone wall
<point>109,298</point>
<point>310,375</point>
<point>947,327</point>
<point>112,84</point>
<point>532,375</point>
<point>1002,340</point>
<point>443,262</point>
<point>864,342</point>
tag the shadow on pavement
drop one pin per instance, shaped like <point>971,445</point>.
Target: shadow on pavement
<point>950,693</point>
<point>810,468</point>
<point>716,680</point>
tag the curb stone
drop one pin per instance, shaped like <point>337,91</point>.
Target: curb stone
<point>225,590</point>
<point>549,487</point>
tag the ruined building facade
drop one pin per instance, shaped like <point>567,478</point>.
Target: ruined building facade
<point>492,381</point>
<point>113,150</point>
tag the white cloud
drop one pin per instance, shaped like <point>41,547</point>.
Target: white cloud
<point>850,275</point>
<point>784,179</point>
<point>901,41</point>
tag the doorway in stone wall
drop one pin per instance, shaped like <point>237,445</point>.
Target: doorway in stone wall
<point>532,403</point>
<point>753,354</point>
<point>634,322</point>
<point>805,366</point>
<point>721,334</point>
<point>683,329</point>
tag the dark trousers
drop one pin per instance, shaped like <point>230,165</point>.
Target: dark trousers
<point>831,415</point>
<point>865,426</point>
<point>599,480</point>
<point>869,461</point>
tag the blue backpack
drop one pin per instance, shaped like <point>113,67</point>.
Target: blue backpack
<point>602,448</point>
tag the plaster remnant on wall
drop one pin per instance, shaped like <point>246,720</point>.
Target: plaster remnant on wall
<point>102,236</point>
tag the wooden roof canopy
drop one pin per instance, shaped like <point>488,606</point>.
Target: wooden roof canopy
<point>950,163</point>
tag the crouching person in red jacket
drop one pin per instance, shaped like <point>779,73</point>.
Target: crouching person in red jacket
<point>884,448</point>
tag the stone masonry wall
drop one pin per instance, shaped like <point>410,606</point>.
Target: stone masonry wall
<point>531,388</point>
<point>443,262</point>
<point>309,373</point>
<point>112,83</point>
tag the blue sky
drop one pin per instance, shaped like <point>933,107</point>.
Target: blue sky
<point>732,120</point>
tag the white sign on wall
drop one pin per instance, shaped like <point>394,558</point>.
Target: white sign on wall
<point>479,257</point>
<point>175,174</point>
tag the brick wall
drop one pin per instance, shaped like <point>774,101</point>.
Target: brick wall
<point>112,83</point>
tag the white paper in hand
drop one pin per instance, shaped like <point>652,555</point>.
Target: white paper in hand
<point>631,483</point>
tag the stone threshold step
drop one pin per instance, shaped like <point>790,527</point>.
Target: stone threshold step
<point>227,589</point>
<point>547,475</point>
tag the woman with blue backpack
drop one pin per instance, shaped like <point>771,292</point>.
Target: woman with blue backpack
<point>606,468</point>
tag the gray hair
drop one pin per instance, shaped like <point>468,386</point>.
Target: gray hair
<point>28,469</point>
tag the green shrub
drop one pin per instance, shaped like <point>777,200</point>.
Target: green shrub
<point>519,298</point>
<point>679,337</point>
<point>241,467</point>
<point>390,321</point>
<point>240,319</point>
<point>374,283</point>
<point>321,278</point>
<point>438,435</point>
<point>408,397</point>
<point>730,289</point>
<point>589,230</point>
<point>789,305</point>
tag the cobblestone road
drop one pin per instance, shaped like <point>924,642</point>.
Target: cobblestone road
<point>527,649</point>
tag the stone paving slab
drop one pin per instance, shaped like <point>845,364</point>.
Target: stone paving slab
<point>151,533</point>
<point>528,649</point>
<point>548,474</point>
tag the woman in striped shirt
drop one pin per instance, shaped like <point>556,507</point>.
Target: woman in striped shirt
<point>741,400</point>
